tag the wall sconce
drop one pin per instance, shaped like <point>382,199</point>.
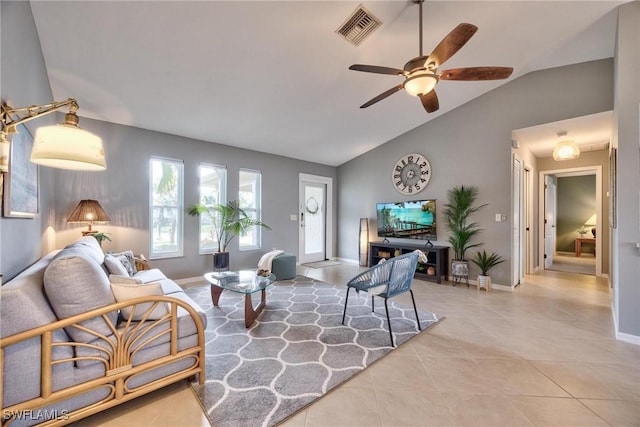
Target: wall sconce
<point>363,238</point>
<point>64,146</point>
<point>565,150</point>
<point>88,212</point>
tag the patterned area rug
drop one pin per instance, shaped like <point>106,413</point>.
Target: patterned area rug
<point>295,352</point>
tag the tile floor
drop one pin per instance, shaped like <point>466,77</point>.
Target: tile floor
<point>543,355</point>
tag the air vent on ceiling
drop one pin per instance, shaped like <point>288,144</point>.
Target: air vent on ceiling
<point>358,26</point>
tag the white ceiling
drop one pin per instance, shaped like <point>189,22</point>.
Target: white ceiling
<point>590,133</point>
<point>273,76</point>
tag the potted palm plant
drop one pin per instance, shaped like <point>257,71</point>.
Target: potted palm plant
<point>228,220</point>
<point>486,262</point>
<point>101,237</point>
<point>457,215</point>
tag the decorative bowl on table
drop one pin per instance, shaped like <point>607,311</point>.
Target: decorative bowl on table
<point>263,273</point>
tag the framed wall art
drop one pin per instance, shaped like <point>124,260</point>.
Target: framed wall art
<point>21,182</point>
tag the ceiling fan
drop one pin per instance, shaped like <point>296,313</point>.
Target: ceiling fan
<point>421,73</point>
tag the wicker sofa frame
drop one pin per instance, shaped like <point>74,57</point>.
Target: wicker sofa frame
<point>124,344</point>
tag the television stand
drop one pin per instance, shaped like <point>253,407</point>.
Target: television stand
<point>434,270</point>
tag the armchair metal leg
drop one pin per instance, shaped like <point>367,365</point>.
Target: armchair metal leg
<point>415,309</point>
<point>373,307</point>
<point>346,299</point>
<point>388,322</point>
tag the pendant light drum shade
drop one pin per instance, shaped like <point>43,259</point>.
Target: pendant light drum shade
<point>68,147</point>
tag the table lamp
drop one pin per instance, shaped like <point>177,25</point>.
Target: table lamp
<point>89,212</point>
<point>591,222</point>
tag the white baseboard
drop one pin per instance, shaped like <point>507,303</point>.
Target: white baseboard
<point>622,336</point>
<point>628,338</point>
<point>496,286</point>
<point>499,287</point>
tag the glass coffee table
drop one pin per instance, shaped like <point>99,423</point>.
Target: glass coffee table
<point>244,282</point>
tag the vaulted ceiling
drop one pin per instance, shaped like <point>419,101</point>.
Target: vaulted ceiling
<point>273,76</point>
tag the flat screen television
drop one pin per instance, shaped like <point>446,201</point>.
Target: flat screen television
<point>415,219</point>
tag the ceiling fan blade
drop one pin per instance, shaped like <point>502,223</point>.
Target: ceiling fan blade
<point>452,43</point>
<point>430,101</point>
<point>476,73</point>
<point>377,70</point>
<point>382,96</point>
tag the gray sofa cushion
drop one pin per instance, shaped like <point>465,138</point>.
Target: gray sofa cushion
<point>88,246</point>
<point>76,285</point>
<point>153,275</point>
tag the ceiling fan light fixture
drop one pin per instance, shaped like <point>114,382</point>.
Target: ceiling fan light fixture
<point>420,83</point>
<point>566,150</point>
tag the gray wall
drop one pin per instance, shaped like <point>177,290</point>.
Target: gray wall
<point>576,204</point>
<point>472,145</point>
<point>625,253</point>
<point>123,191</point>
<point>23,83</point>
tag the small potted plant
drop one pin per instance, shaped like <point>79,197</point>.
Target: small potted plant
<point>101,237</point>
<point>486,262</point>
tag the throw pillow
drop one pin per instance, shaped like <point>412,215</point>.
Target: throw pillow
<point>125,292</point>
<point>115,266</point>
<point>124,278</point>
<point>127,259</point>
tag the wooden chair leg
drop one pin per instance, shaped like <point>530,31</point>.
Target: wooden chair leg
<point>388,322</point>
<point>345,304</point>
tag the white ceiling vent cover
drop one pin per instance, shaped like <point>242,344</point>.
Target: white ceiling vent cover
<point>358,26</point>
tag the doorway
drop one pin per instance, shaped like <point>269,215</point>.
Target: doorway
<point>315,218</point>
<point>565,238</point>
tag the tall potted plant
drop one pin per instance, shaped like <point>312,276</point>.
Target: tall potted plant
<point>228,220</point>
<point>462,229</point>
<point>486,262</point>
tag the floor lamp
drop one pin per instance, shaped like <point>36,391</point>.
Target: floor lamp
<point>363,239</point>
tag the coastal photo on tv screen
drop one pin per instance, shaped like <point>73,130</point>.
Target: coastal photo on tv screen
<point>407,220</point>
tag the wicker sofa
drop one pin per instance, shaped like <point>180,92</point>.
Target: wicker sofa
<point>70,349</point>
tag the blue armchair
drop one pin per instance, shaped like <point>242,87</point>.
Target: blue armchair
<point>386,280</point>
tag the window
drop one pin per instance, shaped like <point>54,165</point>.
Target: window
<point>249,197</point>
<point>213,190</point>
<point>167,207</point>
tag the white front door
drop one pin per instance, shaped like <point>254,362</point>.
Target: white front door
<point>313,221</point>
<point>549,220</point>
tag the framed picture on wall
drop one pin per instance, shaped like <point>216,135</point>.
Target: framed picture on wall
<point>21,182</point>
<point>613,161</point>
